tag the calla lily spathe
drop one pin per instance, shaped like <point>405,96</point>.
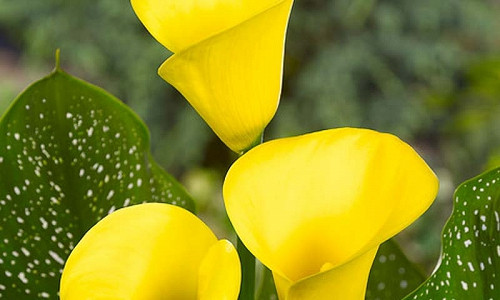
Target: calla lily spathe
<point>227,62</point>
<point>315,208</point>
<point>148,252</point>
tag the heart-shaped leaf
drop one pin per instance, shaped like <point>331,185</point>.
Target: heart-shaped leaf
<point>70,153</point>
<point>392,275</point>
<point>470,259</point>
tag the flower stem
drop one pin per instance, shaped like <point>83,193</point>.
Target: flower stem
<point>247,289</point>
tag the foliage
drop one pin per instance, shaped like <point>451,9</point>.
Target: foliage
<point>470,258</point>
<point>70,153</point>
<point>392,275</point>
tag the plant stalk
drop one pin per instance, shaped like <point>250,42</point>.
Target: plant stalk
<point>247,288</point>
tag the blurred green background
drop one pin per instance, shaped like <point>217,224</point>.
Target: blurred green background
<point>427,71</point>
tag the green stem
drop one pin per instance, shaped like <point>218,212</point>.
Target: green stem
<point>247,289</point>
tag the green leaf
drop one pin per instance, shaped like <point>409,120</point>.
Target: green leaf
<point>470,260</point>
<point>392,275</point>
<point>70,153</point>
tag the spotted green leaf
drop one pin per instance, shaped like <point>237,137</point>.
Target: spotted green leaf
<point>392,275</point>
<point>70,153</point>
<point>469,267</point>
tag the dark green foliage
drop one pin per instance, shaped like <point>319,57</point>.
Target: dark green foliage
<point>392,275</point>
<point>470,259</point>
<point>70,153</point>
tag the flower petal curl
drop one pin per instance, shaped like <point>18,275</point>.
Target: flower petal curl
<point>147,251</point>
<point>307,204</point>
<point>230,70</point>
<point>351,276</point>
<point>219,273</point>
<point>179,24</point>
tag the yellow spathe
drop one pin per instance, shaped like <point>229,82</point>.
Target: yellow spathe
<point>179,24</point>
<point>315,208</point>
<point>349,280</point>
<point>227,62</point>
<point>151,251</point>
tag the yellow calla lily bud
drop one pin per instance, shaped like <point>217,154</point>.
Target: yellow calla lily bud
<point>315,208</point>
<point>151,251</point>
<point>227,62</point>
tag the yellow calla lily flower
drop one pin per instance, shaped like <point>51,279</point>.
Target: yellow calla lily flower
<point>227,62</point>
<point>151,251</point>
<point>315,208</point>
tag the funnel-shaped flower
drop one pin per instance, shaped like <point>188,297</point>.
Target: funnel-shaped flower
<point>227,62</point>
<point>151,251</point>
<point>315,208</point>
